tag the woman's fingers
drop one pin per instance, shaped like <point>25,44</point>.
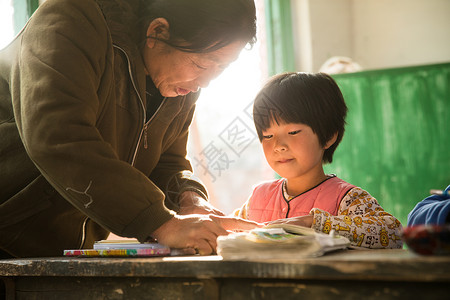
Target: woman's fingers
<point>190,231</point>
<point>205,248</point>
<point>232,223</point>
<point>305,221</point>
<point>218,212</point>
<point>199,231</point>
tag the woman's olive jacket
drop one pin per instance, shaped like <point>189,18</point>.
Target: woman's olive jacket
<point>77,156</point>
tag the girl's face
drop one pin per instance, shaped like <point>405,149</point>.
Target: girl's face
<point>294,152</point>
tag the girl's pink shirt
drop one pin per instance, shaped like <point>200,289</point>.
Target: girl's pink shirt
<point>267,202</point>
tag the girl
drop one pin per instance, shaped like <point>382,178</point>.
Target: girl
<point>300,120</point>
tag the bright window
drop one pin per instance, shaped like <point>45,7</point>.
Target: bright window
<point>224,148</point>
<point>6,22</point>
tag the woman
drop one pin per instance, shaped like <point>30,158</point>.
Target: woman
<point>96,99</point>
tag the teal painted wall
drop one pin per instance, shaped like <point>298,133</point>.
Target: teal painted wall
<point>397,140</point>
<point>23,9</point>
<point>280,42</point>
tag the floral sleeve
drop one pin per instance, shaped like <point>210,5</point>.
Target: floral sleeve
<point>362,220</point>
<point>241,212</point>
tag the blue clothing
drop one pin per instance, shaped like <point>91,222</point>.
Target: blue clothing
<point>434,209</point>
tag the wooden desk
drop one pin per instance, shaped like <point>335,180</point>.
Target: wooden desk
<point>372,274</point>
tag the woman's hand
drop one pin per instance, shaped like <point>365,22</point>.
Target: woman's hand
<point>192,203</point>
<point>199,232</point>
<point>305,221</point>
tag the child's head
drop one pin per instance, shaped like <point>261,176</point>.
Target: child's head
<point>313,99</point>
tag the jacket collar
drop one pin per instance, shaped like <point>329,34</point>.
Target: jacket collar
<point>122,20</point>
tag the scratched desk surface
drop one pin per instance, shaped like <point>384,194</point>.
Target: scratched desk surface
<point>352,272</point>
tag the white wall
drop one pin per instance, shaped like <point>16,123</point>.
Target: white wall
<point>375,33</point>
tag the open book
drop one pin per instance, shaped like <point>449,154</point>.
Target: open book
<point>279,241</point>
<point>128,248</point>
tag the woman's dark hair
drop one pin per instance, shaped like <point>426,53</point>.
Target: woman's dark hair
<point>206,25</point>
<point>313,99</point>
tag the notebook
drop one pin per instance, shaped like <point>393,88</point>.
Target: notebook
<point>279,241</point>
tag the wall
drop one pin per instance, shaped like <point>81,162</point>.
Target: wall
<point>396,142</point>
<point>375,33</point>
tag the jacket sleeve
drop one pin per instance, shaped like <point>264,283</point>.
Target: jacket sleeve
<point>173,173</point>
<point>362,220</point>
<point>57,90</point>
<point>434,209</point>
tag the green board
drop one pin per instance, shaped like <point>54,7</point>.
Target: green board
<point>396,145</point>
